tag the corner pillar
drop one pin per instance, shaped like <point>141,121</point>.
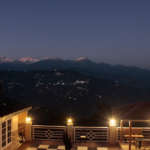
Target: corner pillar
<point>28,132</point>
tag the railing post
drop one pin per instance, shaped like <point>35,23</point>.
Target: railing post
<point>112,132</point>
<point>28,130</point>
<point>130,134</point>
<point>112,135</point>
<point>121,131</point>
<point>70,129</point>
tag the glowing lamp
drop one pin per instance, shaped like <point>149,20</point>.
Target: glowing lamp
<point>69,122</point>
<point>28,120</point>
<point>112,123</point>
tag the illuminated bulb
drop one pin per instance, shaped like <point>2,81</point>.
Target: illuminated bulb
<point>28,120</point>
<point>69,121</point>
<point>112,123</point>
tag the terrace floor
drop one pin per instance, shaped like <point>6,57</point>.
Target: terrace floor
<point>126,147</point>
<point>91,146</point>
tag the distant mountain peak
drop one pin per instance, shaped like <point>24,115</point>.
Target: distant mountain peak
<point>81,59</point>
<point>28,60</point>
<point>4,59</point>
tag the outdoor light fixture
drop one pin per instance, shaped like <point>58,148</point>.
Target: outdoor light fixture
<point>28,120</point>
<point>112,123</point>
<point>69,122</point>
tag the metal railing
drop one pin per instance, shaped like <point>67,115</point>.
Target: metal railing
<point>42,132</point>
<point>91,134</point>
<point>84,134</point>
<point>145,131</point>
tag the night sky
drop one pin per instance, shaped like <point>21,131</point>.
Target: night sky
<point>113,31</point>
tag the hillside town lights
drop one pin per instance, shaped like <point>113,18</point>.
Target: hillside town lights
<point>112,123</point>
<point>69,122</point>
<point>28,120</point>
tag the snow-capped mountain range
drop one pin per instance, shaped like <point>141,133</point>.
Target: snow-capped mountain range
<point>4,59</point>
<point>30,60</point>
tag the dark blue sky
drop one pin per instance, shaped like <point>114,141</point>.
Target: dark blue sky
<point>114,31</point>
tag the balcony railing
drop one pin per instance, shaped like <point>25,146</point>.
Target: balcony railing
<point>91,134</point>
<point>145,131</point>
<point>84,134</point>
<point>42,132</point>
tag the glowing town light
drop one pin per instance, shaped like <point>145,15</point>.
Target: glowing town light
<point>69,121</point>
<point>112,123</point>
<point>28,120</point>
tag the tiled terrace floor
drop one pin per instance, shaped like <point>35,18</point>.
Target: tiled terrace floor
<point>33,146</point>
<point>91,146</point>
<point>27,146</point>
<point>126,147</point>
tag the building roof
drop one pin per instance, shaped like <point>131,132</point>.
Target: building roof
<point>8,106</point>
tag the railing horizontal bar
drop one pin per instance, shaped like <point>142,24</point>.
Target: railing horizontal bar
<point>90,127</point>
<point>48,126</point>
